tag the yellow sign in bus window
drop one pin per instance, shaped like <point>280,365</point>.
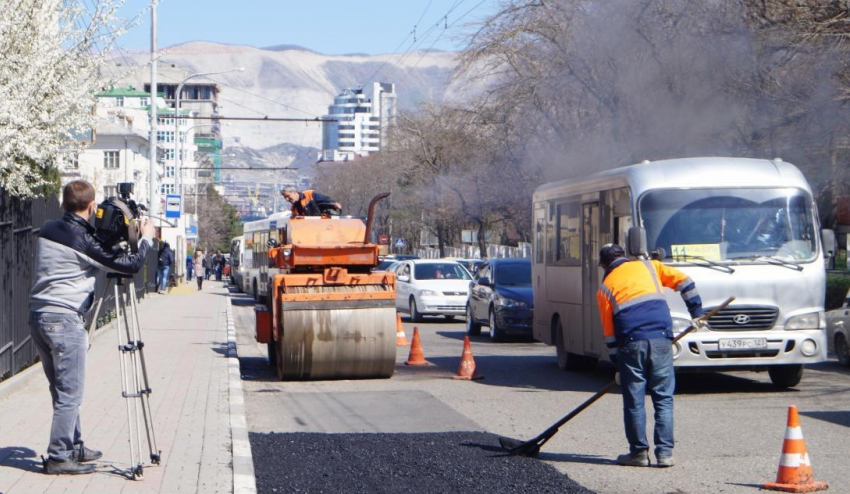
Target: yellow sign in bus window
<point>709,252</point>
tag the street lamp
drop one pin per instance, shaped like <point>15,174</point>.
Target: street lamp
<point>178,158</point>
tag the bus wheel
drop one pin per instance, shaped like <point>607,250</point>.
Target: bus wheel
<point>566,360</point>
<point>785,376</point>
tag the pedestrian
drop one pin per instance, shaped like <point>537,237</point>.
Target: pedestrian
<point>210,264</point>
<point>68,257</point>
<point>190,268</point>
<point>218,263</point>
<point>309,202</point>
<point>638,332</point>
<point>199,261</point>
<point>165,261</point>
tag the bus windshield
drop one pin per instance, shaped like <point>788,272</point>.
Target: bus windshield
<point>730,224</point>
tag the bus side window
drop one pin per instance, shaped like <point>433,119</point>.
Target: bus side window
<point>622,207</point>
<point>621,228</point>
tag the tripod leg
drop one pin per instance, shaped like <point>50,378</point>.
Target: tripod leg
<point>129,319</point>
<point>124,382</point>
<point>155,454</point>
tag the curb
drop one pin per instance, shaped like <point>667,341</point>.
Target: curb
<point>244,481</point>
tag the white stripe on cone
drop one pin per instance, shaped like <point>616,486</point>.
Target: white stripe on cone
<point>793,433</point>
<point>794,460</point>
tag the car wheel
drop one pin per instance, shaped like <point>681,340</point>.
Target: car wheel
<point>496,334</point>
<point>842,351</point>
<point>415,316</point>
<point>472,326</point>
<point>785,376</point>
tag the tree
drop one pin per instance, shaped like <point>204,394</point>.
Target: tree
<point>52,62</point>
<point>218,221</point>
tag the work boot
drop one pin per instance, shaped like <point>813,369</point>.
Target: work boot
<point>664,461</point>
<point>67,467</point>
<point>637,459</point>
<point>83,454</point>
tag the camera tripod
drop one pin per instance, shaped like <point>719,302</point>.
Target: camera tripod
<point>135,387</point>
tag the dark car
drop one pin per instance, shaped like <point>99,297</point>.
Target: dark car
<point>501,297</point>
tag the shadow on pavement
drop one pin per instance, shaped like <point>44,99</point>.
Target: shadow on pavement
<point>21,458</point>
<point>484,337</point>
<point>725,383</point>
<point>574,458</point>
<point>830,365</point>
<point>837,417</point>
<point>257,369</point>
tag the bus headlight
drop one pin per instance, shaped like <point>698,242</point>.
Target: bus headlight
<point>809,348</point>
<point>680,324</point>
<point>812,320</point>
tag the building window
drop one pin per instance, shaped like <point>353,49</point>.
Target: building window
<point>144,102</point>
<point>182,137</point>
<point>165,121</point>
<point>169,171</point>
<point>167,189</point>
<point>110,191</point>
<point>119,101</point>
<point>169,154</point>
<point>165,136</point>
<point>111,160</point>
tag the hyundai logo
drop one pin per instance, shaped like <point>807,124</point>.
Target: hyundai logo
<point>741,319</point>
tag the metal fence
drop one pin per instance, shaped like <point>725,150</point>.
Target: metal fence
<point>20,221</point>
<point>473,252</point>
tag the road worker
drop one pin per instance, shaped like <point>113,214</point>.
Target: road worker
<point>308,202</point>
<point>638,331</point>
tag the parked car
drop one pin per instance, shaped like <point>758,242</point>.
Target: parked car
<point>431,287</point>
<point>501,297</point>
<point>472,265</point>
<point>838,332</point>
<point>386,265</point>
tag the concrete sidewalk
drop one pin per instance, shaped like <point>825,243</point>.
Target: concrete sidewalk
<point>185,336</point>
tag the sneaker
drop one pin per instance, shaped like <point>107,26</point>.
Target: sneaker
<point>638,459</point>
<point>67,467</point>
<point>83,454</point>
<point>160,292</point>
<point>664,461</point>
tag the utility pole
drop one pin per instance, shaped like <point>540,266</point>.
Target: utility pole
<point>152,183</point>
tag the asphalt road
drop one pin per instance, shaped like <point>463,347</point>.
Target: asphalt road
<point>729,426</point>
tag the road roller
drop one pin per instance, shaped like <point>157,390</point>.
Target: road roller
<point>327,315</point>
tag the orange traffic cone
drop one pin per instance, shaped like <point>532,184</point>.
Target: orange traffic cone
<point>416,356</point>
<point>466,369</point>
<point>795,469</point>
<point>400,338</point>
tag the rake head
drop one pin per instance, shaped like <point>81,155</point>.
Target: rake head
<point>515,447</point>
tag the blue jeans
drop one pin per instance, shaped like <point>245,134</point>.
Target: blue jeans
<point>163,277</point>
<point>647,366</point>
<point>62,342</point>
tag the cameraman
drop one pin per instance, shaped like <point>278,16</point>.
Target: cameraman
<point>68,258</point>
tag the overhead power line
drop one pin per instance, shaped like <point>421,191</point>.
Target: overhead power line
<point>262,119</point>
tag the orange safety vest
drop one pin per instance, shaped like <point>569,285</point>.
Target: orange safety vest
<point>632,304</point>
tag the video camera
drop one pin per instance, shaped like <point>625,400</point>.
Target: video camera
<point>115,220</point>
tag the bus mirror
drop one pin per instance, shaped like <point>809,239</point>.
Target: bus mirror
<point>636,241</point>
<point>828,238</point>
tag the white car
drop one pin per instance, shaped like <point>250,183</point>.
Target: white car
<point>431,287</point>
<point>838,332</point>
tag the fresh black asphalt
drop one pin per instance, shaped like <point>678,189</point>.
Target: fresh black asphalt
<point>448,462</point>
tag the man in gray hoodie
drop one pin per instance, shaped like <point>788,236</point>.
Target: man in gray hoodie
<point>68,257</point>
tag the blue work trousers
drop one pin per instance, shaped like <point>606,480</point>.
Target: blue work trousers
<point>164,271</point>
<point>646,366</point>
<point>62,342</point>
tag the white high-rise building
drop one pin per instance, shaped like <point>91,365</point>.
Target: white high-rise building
<point>361,122</point>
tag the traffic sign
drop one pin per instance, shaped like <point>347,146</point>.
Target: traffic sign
<point>383,239</point>
<point>172,206</point>
<point>400,243</point>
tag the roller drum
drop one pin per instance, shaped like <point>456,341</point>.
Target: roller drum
<point>354,341</point>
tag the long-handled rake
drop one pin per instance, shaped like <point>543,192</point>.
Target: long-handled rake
<point>532,446</point>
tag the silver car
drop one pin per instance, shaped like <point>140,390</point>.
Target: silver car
<point>838,332</point>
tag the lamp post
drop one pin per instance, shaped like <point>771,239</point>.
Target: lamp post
<point>178,158</point>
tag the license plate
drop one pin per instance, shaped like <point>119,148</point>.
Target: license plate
<point>743,344</point>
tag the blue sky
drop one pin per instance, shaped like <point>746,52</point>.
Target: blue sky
<point>326,26</point>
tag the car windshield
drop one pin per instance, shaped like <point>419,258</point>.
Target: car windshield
<point>440,271</point>
<point>514,274</point>
<point>384,265</point>
<point>730,224</point>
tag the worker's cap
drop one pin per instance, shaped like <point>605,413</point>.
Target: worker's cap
<point>610,252</point>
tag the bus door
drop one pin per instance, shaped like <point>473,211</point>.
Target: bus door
<point>541,329</point>
<point>592,327</point>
